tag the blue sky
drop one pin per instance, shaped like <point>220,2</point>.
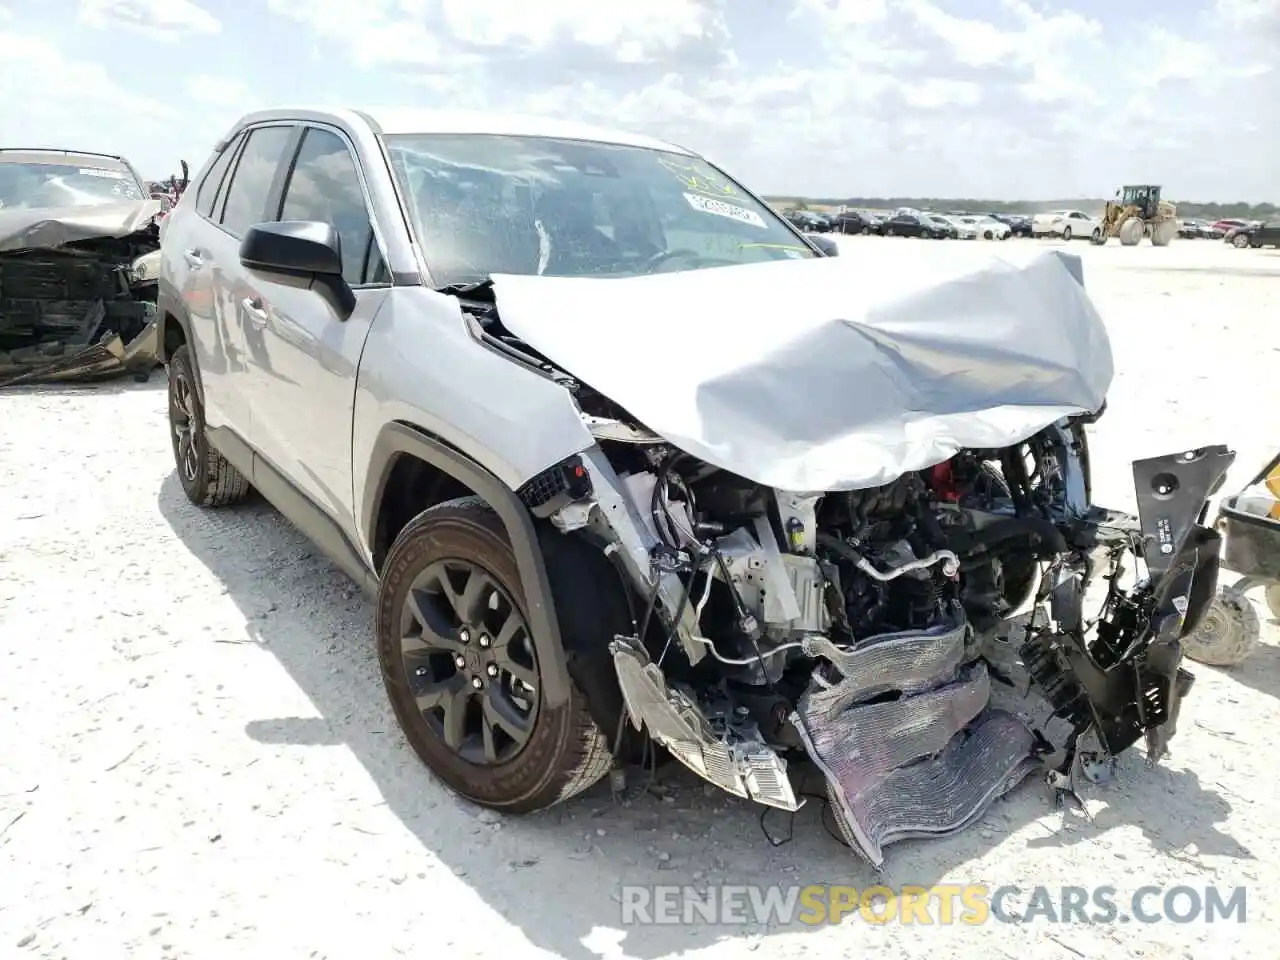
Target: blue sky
<point>1002,99</point>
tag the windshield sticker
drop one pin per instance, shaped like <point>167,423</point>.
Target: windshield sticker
<point>700,179</point>
<point>106,174</point>
<point>719,208</point>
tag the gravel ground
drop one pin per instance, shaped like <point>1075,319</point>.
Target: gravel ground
<point>199,761</point>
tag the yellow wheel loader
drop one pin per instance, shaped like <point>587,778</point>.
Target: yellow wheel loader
<point>1138,212</point>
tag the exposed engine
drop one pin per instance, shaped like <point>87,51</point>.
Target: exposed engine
<point>55,303</point>
<point>852,625</point>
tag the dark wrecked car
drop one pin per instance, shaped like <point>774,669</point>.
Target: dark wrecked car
<point>79,259</point>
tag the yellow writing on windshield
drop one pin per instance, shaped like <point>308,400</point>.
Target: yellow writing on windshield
<point>700,178</point>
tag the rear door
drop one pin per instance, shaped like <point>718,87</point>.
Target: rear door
<point>187,238</point>
<point>303,381</point>
<point>228,341</point>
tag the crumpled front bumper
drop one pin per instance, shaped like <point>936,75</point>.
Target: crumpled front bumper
<point>903,727</point>
<point>907,740</point>
<point>109,357</point>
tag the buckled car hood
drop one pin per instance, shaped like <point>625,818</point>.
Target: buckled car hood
<point>830,373</point>
<point>47,228</point>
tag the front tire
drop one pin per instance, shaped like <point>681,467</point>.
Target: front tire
<point>1066,233</point>
<point>461,671</point>
<point>207,477</point>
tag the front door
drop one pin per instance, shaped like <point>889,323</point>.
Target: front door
<point>303,386</point>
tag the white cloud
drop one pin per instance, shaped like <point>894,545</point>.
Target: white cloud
<point>837,14</point>
<point>933,93</point>
<point>1249,12</point>
<point>165,20</point>
<point>218,91</point>
<point>824,97</point>
<point>637,31</point>
<point>52,94</point>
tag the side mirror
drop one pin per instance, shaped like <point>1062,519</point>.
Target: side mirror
<point>300,248</point>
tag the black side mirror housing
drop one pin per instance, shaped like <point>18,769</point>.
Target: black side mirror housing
<point>300,248</point>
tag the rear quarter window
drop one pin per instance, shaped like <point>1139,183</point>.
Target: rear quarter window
<point>207,192</point>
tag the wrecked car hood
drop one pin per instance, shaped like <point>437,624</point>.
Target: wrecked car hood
<point>830,373</point>
<point>25,228</point>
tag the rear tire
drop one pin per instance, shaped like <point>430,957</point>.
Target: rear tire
<point>563,751</point>
<point>1273,600</point>
<point>1066,233</point>
<point>207,477</point>
<point>1162,233</point>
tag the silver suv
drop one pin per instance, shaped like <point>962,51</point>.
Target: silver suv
<point>324,344</point>
<point>609,439</point>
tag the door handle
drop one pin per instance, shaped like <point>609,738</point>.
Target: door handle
<point>256,311</point>
<point>194,258</point>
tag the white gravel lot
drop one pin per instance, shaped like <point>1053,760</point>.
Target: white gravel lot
<point>197,759</point>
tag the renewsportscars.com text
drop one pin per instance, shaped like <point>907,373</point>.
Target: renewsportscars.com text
<point>943,904</point>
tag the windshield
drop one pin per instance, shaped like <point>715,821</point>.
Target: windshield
<point>34,185</point>
<point>485,204</point>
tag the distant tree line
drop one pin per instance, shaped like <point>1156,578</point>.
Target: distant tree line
<point>1208,211</point>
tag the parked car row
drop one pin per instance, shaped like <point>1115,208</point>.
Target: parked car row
<point>1195,229</point>
<point>1255,234</point>
<point>1065,224</point>
<point>908,222</point>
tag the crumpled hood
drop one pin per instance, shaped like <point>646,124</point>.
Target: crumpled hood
<point>46,228</point>
<point>831,373</point>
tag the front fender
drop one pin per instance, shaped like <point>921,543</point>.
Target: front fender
<point>397,439</point>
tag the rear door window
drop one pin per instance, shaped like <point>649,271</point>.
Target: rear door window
<point>251,183</point>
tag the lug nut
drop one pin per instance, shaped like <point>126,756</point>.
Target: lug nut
<point>477,682</point>
<point>460,661</point>
<point>484,640</point>
<point>464,635</point>
<point>491,670</point>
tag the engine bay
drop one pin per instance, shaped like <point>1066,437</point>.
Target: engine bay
<point>851,627</point>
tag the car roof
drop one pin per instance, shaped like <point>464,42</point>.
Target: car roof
<point>105,161</point>
<point>409,120</point>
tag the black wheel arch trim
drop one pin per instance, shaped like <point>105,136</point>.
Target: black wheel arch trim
<point>397,439</point>
<point>170,308</point>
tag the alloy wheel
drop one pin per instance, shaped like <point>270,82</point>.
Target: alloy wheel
<point>182,420</point>
<point>470,662</point>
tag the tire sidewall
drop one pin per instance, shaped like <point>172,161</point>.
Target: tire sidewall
<point>528,780</point>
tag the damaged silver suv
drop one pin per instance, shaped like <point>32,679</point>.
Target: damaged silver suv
<point>630,464</point>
